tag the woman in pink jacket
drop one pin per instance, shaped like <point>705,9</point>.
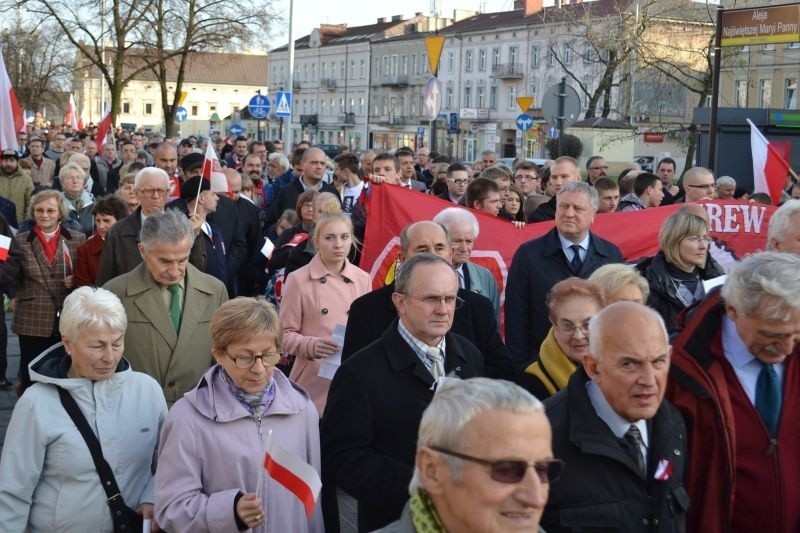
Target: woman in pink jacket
<point>316,299</point>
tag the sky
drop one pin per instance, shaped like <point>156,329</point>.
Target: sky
<point>309,14</point>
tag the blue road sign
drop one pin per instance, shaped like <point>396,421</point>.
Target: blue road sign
<point>236,129</point>
<point>421,131</point>
<point>283,104</point>
<point>452,123</point>
<point>181,114</point>
<point>524,122</point>
<point>259,106</point>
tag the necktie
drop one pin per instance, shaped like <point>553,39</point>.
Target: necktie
<point>175,305</point>
<point>437,361</point>
<point>634,438</point>
<point>768,397</point>
<point>576,262</point>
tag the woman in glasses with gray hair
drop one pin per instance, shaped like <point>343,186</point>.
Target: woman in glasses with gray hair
<point>212,444</point>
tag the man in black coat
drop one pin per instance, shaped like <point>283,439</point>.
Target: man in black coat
<point>623,444</point>
<point>376,399</point>
<point>250,219</point>
<point>314,161</point>
<point>541,263</point>
<point>371,314</point>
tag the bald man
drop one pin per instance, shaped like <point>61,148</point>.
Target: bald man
<point>250,219</point>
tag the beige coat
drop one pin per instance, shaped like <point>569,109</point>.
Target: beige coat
<point>175,360</point>
<point>44,174</point>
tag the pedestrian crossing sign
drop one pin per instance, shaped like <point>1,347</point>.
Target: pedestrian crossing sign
<point>283,104</point>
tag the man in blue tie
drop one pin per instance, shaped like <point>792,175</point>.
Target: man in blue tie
<point>736,379</point>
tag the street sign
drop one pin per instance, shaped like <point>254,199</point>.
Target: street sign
<point>553,132</point>
<point>283,104</point>
<point>432,98</point>
<point>524,103</point>
<point>524,121</point>
<point>181,114</point>
<point>572,105</point>
<point>259,106</point>
<point>236,129</point>
<point>421,131</point>
<point>452,124</point>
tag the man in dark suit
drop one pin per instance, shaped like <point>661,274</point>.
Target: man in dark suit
<point>121,251</point>
<point>376,399</point>
<point>372,313</point>
<point>249,217</point>
<point>408,176</point>
<point>567,250</point>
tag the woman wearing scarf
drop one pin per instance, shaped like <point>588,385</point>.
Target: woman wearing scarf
<point>80,200</point>
<point>45,279</point>
<point>571,304</point>
<point>210,475</point>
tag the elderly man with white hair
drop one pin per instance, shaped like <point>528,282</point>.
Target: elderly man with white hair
<point>484,461</point>
<point>784,228</point>
<point>463,228</point>
<point>736,380</point>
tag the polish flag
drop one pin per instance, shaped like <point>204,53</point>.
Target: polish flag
<point>102,131</point>
<point>5,246</point>
<point>769,168</point>
<point>295,474</point>
<point>11,118</point>
<point>72,118</point>
<point>663,470</point>
<point>212,171</point>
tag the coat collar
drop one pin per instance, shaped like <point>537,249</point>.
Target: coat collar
<point>317,270</point>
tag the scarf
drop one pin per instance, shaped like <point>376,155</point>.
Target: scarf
<point>256,403</point>
<point>77,202</point>
<point>553,368</point>
<point>50,246</point>
<point>423,514</point>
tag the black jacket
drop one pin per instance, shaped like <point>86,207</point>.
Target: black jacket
<point>546,211</point>
<point>369,430</point>
<point>537,266</point>
<point>476,321</point>
<point>601,488</point>
<point>287,199</point>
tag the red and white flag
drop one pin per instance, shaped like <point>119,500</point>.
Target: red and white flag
<point>5,246</point>
<point>212,171</point>
<point>769,167</point>
<point>663,470</point>
<point>102,131</point>
<point>11,118</point>
<point>295,474</point>
<point>73,118</point>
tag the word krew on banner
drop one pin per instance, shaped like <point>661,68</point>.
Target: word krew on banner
<point>738,228</point>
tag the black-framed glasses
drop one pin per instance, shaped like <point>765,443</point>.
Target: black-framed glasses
<point>513,471</point>
<point>706,186</point>
<point>246,361</point>
<point>153,191</point>
<point>458,182</point>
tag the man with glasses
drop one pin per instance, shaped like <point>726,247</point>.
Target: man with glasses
<point>526,178</point>
<point>121,251</point>
<point>698,184</point>
<point>169,304</point>
<point>457,181</point>
<point>376,398</point>
<point>462,478</point>
<point>625,446</point>
<point>596,168</point>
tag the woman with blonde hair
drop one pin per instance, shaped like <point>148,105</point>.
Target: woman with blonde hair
<point>621,282</point>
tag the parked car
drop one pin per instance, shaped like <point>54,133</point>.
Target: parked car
<point>331,150</point>
<point>646,162</point>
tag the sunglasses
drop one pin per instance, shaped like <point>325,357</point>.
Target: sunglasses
<point>513,471</point>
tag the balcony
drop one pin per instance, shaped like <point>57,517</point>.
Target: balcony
<point>508,71</point>
<point>399,120</point>
<point>327,83</point>
<point>348,119</point>
<point>394,81</point>
<point>296,85</point>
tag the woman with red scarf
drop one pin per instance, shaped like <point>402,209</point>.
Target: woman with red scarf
<point>45,278</point>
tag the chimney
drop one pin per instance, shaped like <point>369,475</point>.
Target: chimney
<point>382,20</point>
<point>397,18</point>
<point>530,6</point>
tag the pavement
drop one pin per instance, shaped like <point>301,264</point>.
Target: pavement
<point>347,505</point>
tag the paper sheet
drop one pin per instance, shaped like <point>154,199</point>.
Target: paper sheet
<point>331,364</point>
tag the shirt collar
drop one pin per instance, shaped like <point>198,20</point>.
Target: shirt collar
<point>616,423</point>
<point>566,243</point>
<point>733,346</point>
<point>419,347</point>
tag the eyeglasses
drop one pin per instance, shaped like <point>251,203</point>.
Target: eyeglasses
<point>152,191</point>
<point>604,167</point>
<point>433,301</point>
<point>458,182</point>
<point>246,361</point>
<point>513,471</point>
<point>525,178</point>
<point>704,186</point>
<point>698,238</point>
<point>570,329</point>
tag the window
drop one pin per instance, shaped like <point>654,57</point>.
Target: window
<point>324,71</point>
<point>341,105</point>
<point>361,105</point>
<point>533,89</point>
<point>765,93</point>
<point>551,58</point>
<point>481,97</point>
<point>493,97</point>
<point>793,45</point>
<point>305,72</point>
<point>740,93</point>
<point>148,108</point>
<point>323,111</point>
<point>790,94</point>
<point>342,70</point>
<point>451,61</point>
<point>414,67</point>
<point>404,65</point>
<point>305,107</point>
<point>386,66</point>
<point>467,96</point>
<point>512,97</point>
<point>513,55</point>
<point>352,69</point>
<point>313,72</point>
<point>495,57</point>
<point>448,97</point>
<point>395,64</point>
<point>362,70</point>
<point>588,54</point>
<point>482,59</point>
<point>534,56</point>
<point>126,107</point>
<point>194,110</point>
<point>567,54</point>
<point>468,61</point>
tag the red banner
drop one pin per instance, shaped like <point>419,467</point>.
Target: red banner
<point>737,229</point>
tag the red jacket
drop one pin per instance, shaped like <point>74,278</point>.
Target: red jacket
<point>739,478</point>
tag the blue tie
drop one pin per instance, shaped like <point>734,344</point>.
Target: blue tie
<point>576,262</point>
<point>768,397</point>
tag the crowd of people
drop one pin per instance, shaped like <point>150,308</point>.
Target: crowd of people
<point>168,332</point>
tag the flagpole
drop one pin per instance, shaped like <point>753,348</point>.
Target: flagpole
<point>260,484</point>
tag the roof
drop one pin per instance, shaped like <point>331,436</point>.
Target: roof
<point>333,34</point>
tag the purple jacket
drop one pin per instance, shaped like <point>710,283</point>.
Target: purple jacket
<point>211,449</point>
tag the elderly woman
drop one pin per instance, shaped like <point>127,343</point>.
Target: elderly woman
<point>80,200</point>
<point>210,458</point>
<point>45,279</point>
<point>106,211</point>
<point>127,191</point>
<point>620,283</point>
<point>571,304</point>
<point>50,482</point>
<point>316,299</point>
<point>676,273</point>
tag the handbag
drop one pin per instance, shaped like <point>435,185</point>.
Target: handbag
<point>126,520</point>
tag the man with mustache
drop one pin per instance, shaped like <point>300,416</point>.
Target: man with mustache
<point>736,380</point>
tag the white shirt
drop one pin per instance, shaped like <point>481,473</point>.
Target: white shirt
<point>615,422</point>
<point>569,252</point>
<point>745,365</point>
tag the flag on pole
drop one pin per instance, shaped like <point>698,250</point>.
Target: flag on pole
<point>11,118</point>
<point>72,118</point>
<point>102,131</point>
<point>292,472</point>
<point>769,167</point>
<point>212,171</point>
<point>5,246</point>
